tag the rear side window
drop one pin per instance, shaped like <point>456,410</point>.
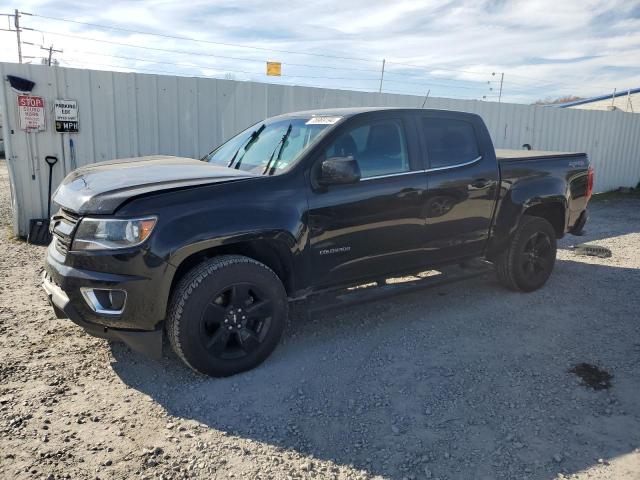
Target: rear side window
<point>449,141</point>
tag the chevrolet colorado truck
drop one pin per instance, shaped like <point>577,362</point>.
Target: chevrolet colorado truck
<point>214,251</point>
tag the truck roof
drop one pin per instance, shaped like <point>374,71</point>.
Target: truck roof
<point>350,111</point>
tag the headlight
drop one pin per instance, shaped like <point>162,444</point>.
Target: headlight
<point>112,233</point>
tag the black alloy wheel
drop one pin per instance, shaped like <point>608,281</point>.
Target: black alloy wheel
<point>536,257</point>
<point>236,321</point>
<point>528,260</point>
<point>227,315</point>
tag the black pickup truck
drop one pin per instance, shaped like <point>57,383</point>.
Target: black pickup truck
<point>213,251</point>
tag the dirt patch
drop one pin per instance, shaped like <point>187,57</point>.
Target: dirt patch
<point>592,376</point>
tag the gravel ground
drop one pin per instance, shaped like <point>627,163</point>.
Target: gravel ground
<point>461,381</point>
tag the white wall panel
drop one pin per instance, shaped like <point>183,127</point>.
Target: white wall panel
<point>127,115</point>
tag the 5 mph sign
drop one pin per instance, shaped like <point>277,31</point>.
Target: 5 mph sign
<point>66,116</point>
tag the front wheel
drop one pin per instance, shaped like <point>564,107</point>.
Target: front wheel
<point>529,259</point>
<point>227,315</point>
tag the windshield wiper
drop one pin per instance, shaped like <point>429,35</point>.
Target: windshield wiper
<point>283,140</point>
<point>254,136</point>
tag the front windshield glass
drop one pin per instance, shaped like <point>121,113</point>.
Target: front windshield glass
<point>270,147</point>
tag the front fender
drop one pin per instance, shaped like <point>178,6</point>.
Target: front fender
<point>212,216</point>
<point>283,239</point>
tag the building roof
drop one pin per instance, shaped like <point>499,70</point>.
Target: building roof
<point>621,93</point>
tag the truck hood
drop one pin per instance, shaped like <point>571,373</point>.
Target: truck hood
<point>102,187</point>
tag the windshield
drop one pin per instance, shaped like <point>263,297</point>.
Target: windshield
<point>270,147</point>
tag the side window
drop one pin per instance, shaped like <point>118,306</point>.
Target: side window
<point>449,141</point>
<point>379,147</point>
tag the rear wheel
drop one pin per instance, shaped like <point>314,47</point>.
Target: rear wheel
<point>528,261</point>
<point>227,315</point>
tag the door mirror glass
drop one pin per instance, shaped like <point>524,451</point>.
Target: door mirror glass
<point>339,171</point>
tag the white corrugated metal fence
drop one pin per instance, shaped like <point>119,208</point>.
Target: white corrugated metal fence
<point>129,114</point>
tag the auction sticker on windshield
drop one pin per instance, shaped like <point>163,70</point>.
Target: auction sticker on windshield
<point>322,120</point>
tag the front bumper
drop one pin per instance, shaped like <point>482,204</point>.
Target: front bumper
<point>146,342</point>
<point>143,279</point>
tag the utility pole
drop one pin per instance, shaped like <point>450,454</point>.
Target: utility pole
<point>16,23</point>
<point>50,50</point>
<point>16,28</point>
<point>381,76</point>
<point>501,81</point>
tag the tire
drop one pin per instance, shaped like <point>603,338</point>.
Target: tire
<point>529,259</point>
<point>226,315</point>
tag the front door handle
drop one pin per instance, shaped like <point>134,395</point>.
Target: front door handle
<point>480,183</point>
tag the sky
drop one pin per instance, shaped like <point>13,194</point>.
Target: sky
<point>455,49</point>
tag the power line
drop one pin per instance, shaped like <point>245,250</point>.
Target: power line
<point>253,47</point>
<point>425,83</point>
<point>226,57</point>
<point>422,94</point>
<point>204,67</point>
<point>436,67</point>
<point>191,39</point>
<point>372,90</point>
<point>183,52</point>
<point>158,72</point>
<point>180,37</point>
<point>226,44</point>
<point>507,73</point>
<point>191,65</point>
<point>262,62</point>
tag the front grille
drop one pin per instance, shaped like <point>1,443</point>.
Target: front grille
<point>63,225</point>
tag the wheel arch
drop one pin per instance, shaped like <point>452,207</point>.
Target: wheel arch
<point>274,251</point>
<point>545,201</point>
<point>553,211</point>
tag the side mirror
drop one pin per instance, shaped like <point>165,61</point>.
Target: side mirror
<point>339,171</point>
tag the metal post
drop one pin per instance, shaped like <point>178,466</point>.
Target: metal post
<point>381,76</point>
<point>16,22</point>
<point>425,98</point>
<point>50,53</point>
<point>613,97</point>
<point>501,81</point>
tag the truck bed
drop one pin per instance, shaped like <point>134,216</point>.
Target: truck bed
<point>507,154</point>
<point>525,167</point>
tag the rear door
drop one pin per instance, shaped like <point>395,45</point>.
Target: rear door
<point>374,226</point>
<point>462,179</point>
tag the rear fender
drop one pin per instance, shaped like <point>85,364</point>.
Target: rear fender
<point>515,202</point>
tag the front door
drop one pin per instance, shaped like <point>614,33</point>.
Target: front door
<point>375,226</point>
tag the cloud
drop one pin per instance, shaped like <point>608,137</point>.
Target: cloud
<point>545,48</point>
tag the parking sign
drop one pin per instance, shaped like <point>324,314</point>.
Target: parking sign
<point>66,116</point>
